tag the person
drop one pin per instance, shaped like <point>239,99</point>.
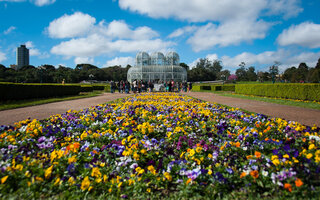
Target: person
<point>190,87</point>
<point>135,86</point>
<point>127,87</point>
<point>172,86</point>
<point>118,86</point>
<point>121,86</point>
<point>112,86</point>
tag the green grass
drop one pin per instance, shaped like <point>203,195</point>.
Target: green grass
<point>312,105</point>
<point>32,102</point>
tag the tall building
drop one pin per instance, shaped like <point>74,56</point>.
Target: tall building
<point>22,56</point>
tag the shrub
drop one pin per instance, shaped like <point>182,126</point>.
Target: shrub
<point>107,88</point>
<point>86,88</point>
<point>98,87</point>
<point>19,91</point>
<point>288,91</point>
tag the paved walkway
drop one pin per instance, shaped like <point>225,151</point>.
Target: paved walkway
<point>304,116</point>
<point>9,117</point>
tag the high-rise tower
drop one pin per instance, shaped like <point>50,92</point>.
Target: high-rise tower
<point>22,56</point>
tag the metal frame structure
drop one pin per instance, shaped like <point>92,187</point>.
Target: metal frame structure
<point>157,68</point>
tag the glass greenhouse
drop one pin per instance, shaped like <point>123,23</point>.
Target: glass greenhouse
<point>157,68</point>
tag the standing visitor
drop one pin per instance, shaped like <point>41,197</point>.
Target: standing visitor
<point>112,86</point>
<point>127,87</point>
<point>134,84</point>
<point>190,87</point>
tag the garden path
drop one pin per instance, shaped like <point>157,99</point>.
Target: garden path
<point>9,117</point>
<point>304,116</point>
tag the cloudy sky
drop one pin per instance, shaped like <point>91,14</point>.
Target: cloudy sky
<point>111,32</point>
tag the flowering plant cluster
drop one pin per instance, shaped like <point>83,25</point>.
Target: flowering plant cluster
<point>159,144</point>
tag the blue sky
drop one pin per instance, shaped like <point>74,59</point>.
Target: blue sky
<point>111,32</point>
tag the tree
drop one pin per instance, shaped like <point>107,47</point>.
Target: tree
<point>184,65</point>
<point>274,70</point>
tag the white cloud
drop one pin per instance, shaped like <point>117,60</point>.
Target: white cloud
<point>211,10</point>
<point>2,56</point>
<point>36,2</point>
<point>33,51</point>
<point>119,29</point>
<point>228,33</point>
<point>68,26</point>
<point>182,31</point>
<point>305,34</point>
<point>43,2</point>
<point>83,60</point>
<point>9,30</point>
<point>195,10</point>
<point>123,61</point>
<point>103,38</point>
<point>288,8</point>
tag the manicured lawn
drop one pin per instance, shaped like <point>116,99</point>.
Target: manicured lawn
<point>289,102</point>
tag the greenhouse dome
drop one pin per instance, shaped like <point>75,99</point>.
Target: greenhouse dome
<point>157,68</point>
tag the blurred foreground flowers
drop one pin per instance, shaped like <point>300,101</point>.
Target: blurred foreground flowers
<point>158,144</point>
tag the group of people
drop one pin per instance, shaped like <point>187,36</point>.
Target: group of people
<point>138,86</point>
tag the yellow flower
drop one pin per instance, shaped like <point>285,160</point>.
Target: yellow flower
<point>85,183</point>
<point>168,176</point>
<point>309,155</point>
<point>149,190</point>
<point>152,170</point>
<point>48,172</point>
<point>4,179</point>
<point>191,152</point>
<point>198,149</point>
<point>209,171</point>
<point>96,172</point>
<point>71,181</point>
<point>19,167</point>
<point>311,146</point>
<point>57,181</point>
<point>72,159</point>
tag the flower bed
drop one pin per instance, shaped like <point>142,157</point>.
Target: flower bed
<point>157,145</point>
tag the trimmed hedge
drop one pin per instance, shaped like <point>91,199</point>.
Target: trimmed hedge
<point>288,91</point>
<point>86,88</point>
<point>98,87</point>
<point>19,91</point>
<point>107,88</point>
<point>198,88</point>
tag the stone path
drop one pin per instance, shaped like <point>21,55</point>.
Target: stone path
<point>9,117</point>
<point>304,116</point>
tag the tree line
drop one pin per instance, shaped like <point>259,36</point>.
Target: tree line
<point>205,70</point>
<point>50,74</point>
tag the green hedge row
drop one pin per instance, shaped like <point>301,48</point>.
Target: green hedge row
<point>288,91</point>
<point>198,88</point>
<point>18,91</point>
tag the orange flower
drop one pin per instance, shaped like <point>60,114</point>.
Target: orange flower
<point>254,174</point>
<point>249,157</point>
<point>237,144</point>
<point>257,154</point>
<point>243,174</point>
<point>188,181</point>
<point>288,187</point>
<point>299,182</point>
